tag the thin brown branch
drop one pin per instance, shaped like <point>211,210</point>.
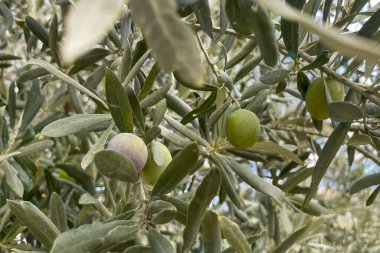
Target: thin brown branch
<point>368,154</point>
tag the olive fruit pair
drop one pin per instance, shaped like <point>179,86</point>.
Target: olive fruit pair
<point>142,156</point>
<point>316,101</point>
<point>242,128</point>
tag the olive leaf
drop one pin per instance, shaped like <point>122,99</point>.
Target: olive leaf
<point>38,224</point>
<point>115,165</point>
<point>203,196</point>
<point>161,26</point>
<point>177,169</point>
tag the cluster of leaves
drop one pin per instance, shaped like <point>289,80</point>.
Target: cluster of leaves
<point>73,79</point>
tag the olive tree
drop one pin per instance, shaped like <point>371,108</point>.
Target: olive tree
<point>189,126</point>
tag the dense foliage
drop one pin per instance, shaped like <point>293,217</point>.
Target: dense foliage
<point>168,81</point>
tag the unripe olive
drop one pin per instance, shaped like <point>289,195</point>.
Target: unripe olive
<point>316,101</point>
<point>152,171</point>
<point>131,146</point>
<point>242,128</point>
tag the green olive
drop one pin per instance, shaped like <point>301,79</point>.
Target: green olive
<point>242,128</point>
<point>316,101</point>
<point>152,171</point>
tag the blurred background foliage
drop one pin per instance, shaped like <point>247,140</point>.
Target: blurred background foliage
<point>55,117</point>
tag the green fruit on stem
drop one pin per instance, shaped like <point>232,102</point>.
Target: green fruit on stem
<point>155,167</point>
<point>242,128</point>
<point>316,101</point>
<point>131,146</point>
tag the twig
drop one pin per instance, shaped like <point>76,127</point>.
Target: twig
<point>368,154</point>
<point>212,65</point>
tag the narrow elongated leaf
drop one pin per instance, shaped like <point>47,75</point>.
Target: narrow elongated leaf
<point>60,75</point>
<point>297,236</point>
<point>159,112</point>
<point>321,60</point>
<point>373,196</point>
<point>181,205</point>
<point>312,208</point>
<point>253,90</point>
<point>186,131</point>
<point>303,83</point>
<point>75,124</point>
<point>13,181</point>
<point>274,76</point>
<point>342,111</point>
<point>212,237</point>
<point>85,28</point>
<point>8,18</point>
<point>239,13</point>
<point>53,39</point>
<point>359,139</point>
<point>265,37</point>
<point>275,148</point>
<point>227,181</point>
<point>95,77</point>
<point>57,212</point>
<point>202,11</point>
<point>115,165</point>
<point>80,175</point>
<point>138,117</point>
<point>155,97</point>
<point>215,116</point>
<point>35,147</point>
<point>290,30</point>
<point>248,67</point>
<point>122,233</point>
<point>126,61</point>
<point>242,54</point>
<point>224,22</point>
<point>99,145</point>
<point>330,37</point>
<point>177,169</point>
<point>326,11</point>
<point>136,68</point>
<point>204,107</point>
<point>203,196</point>
<point>365,182</point>
<point>40,31</point>
<point>85,238</point>
<point>12,104</point>
<point>256,182</point>
<point>118,103</point>
<point>37,223</point>
<point>327,155</point>
<point>91,57</point>
<point>33,104</point>
<point>160,26</point>
<point>151,134</point>
<point>161,211</point>
<point>8,57</point>
<point>234,235</point>
<point>294,179</point>
<point>159,243</point>
<point>147,87</point>
<point>176,104</point>
<point>32,74</point>
<point>371,26</point>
